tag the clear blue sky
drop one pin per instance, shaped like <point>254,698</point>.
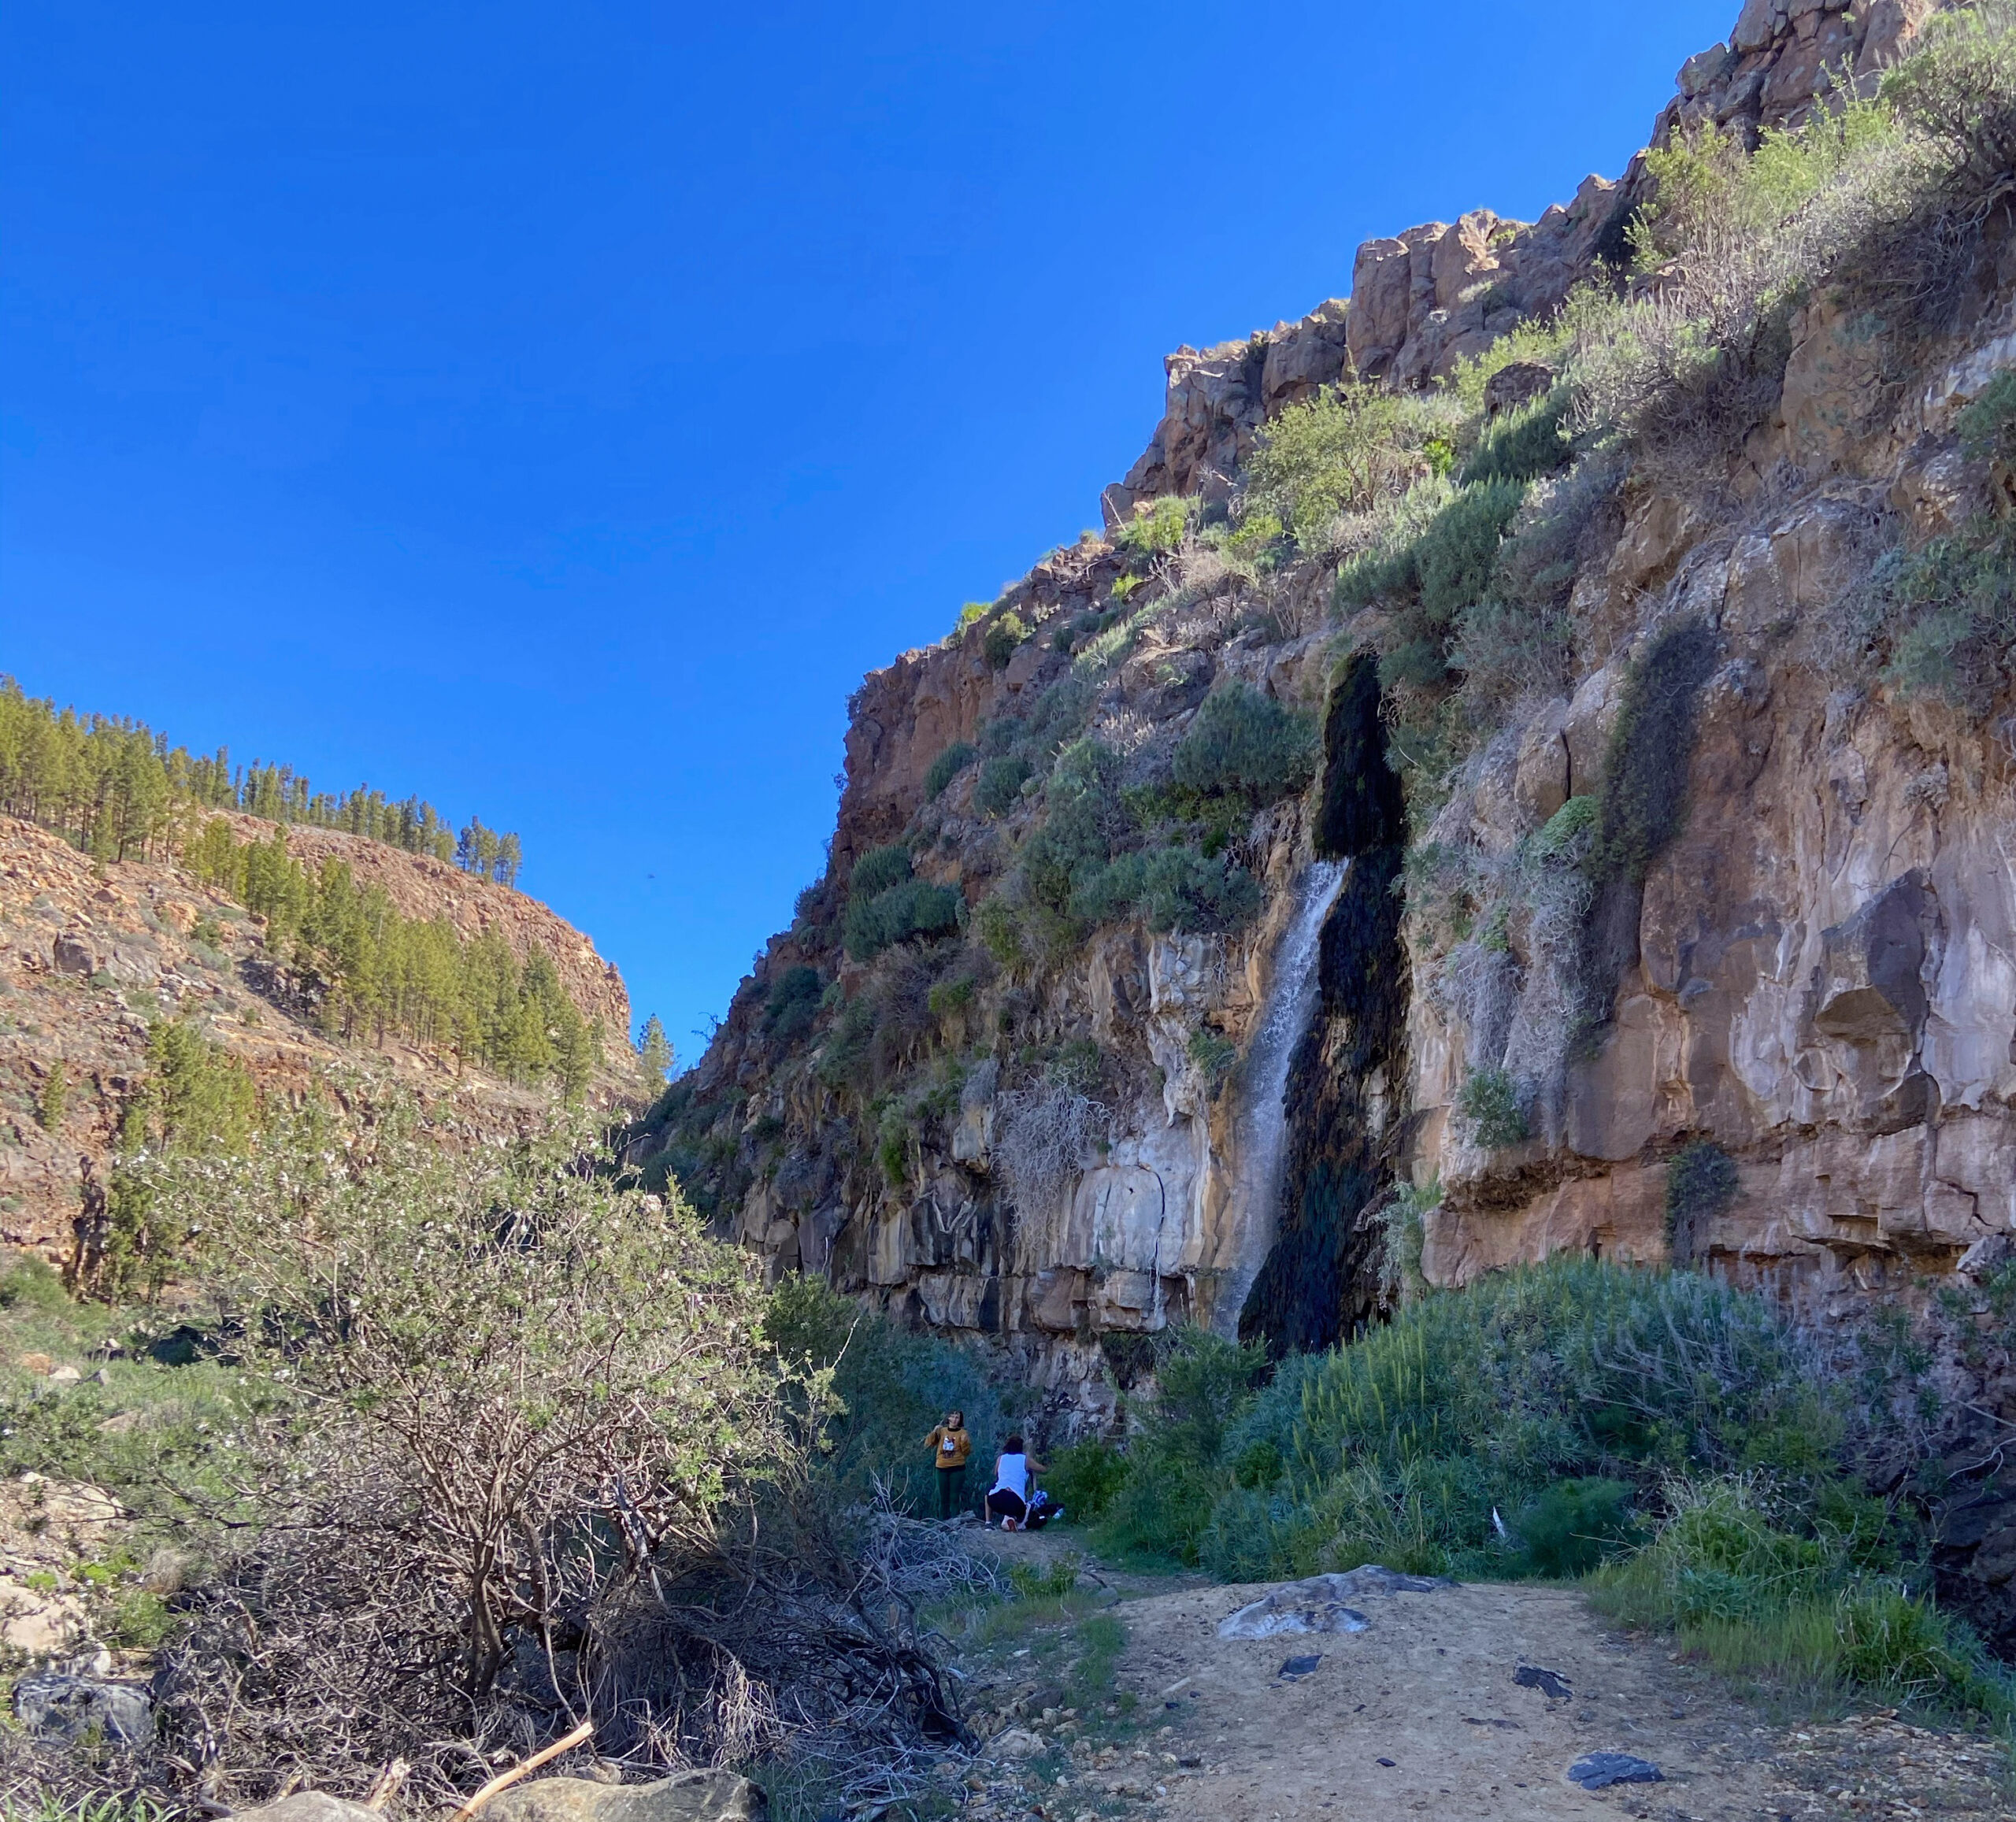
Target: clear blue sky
<point>554,410</point>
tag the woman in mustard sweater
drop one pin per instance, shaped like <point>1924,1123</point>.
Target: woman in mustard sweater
<point>951,1444</point>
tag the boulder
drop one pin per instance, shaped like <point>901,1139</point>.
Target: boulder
<point>1518,385</point>
<point>309,1806</point>
<point>1318,1604</point>
<point>685,1796</point>
<point>61,1706</point>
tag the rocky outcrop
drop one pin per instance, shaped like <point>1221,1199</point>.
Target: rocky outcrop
<point>1424,300</point>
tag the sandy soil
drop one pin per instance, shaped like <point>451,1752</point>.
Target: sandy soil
<point>1420,1714</point>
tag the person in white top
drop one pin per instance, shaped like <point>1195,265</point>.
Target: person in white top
<point>1008,1501</point>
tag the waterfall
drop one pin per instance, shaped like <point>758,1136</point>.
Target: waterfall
<point>1262,1125</point>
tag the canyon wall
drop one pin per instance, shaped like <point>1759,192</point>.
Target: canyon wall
<point>1067,1143</point>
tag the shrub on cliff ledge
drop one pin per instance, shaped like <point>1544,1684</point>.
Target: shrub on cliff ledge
<point>1242,741</point>
<point>948,766</point>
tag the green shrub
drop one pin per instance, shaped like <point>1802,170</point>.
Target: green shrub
<point>1242,741</point>
<point>1701,1183</point>
<point>949,997</point>
<point>879,869</point>
<point>1737,1581</point>
<point>914,908</point>
<point>948,766</point>
<point>1988,425</point>
<point>794,1004</point>
<point>1565,832</point>
<point>1524,445</point>
<point>1344,451</point>
<point>1000,931</point>
<point>1000,784</point>
<point>1489,1101</point>
<point>1083,1477</point>
<point>1004,637</point>
<point>1158,526</point>
<point>1644,796</point>
<point>1574,1525</point>
<point>1162,1509</point>
<point>1214,1055</point>
<point>1454,556</point>
<point>844,1055</point>
<point>1948,615</point>
<point>1435,560</point>
<point>1175,887</point>
<point>972,611</point>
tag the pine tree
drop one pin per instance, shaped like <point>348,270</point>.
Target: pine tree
<point>655,1052</point>
<point>49,1102</point>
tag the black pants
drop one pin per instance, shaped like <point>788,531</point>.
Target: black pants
<point>1003,1504</point>
<point>951,1491</point>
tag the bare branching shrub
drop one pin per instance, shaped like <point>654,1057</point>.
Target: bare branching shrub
<point>1884,198</point>
<point>1042,1136</point>
<point>513,1425</point>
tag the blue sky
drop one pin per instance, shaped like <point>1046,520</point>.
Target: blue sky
<point>555,410</point>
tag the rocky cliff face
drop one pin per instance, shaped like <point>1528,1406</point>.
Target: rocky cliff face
<point>90,954</point>
<point>1061,1134</point>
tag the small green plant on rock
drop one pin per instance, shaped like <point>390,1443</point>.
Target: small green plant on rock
<point>1214,1055</point>
<point>948,766</point>
<point>1701,1183</point>
<point>1489,1100</point>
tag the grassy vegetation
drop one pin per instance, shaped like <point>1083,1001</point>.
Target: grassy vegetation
<point>1667,1433</point>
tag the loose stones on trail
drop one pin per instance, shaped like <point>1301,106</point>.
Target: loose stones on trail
<point>1319,1605</point>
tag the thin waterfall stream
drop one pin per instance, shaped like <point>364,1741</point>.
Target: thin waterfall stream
<point>1262,1125</point>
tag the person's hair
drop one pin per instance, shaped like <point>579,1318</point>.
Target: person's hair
<point>1013,1446</point>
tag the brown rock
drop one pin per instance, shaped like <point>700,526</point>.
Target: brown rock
<point>685,1797</point>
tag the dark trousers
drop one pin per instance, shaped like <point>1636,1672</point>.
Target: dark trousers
<point>951,1491</point>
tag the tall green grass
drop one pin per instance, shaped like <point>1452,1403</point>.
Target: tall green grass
<point>1670,1435</point>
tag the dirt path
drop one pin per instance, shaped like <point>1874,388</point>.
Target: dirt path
<point>1420,1714</point>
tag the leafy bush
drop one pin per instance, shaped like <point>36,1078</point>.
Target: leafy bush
<point>1344,451</point>
<point>1946,615</point>
<point>948,766</point>
<point>1157,527</point>
<point>1701,1183</point>
<point>1083,1477</point>
<point>879,869</point>
<point>1214,1055</point>
<point>1000,784</point>
<point>794,1004</point>
<point>1435,560</point>
<point>1756,1588</point>
<point>1000,931</point>
<point>1573,1525</point>
<point>1565,832</point>
<point>1525,444</point>
<point>1004,636</point>
<point>1489,1100</point>
<point>1175,887</point>
<point>912,907</point>
<point>1242,741</point>
<point>1163,1508</point>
